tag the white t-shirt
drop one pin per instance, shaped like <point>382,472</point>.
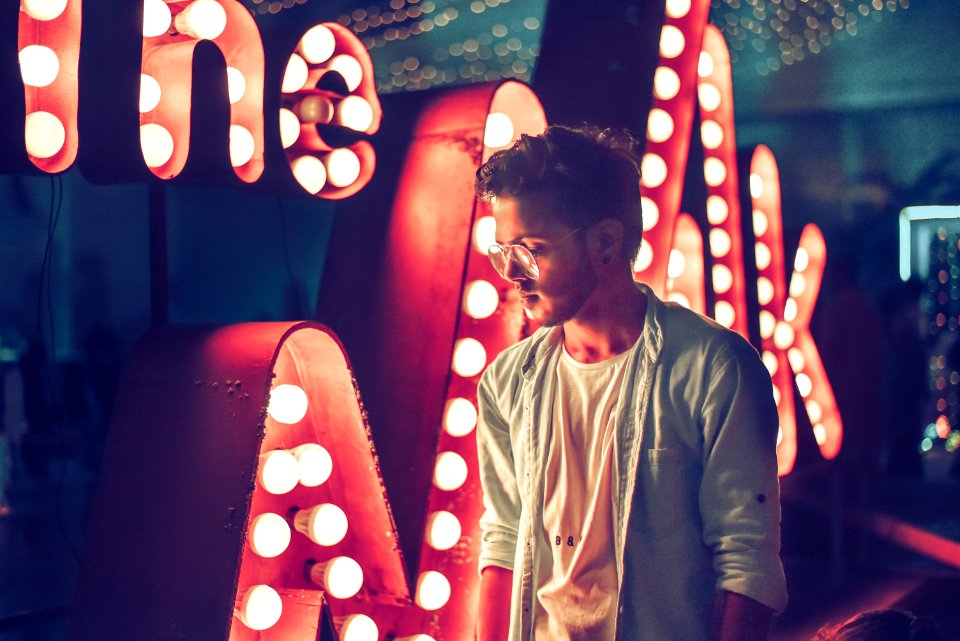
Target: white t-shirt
<point>577,598</point>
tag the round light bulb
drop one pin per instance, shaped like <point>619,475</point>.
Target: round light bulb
<point>709,96</point>
<point>756,185</point>
<point>790,310</point>
<point>763,255</point>
<point>720,242</point>
<point>644,256</point>
<point>156,18</point>
<point>480,299</point>
<point>724,313</point>
<point>671,42</point>
<point>44,10</point>
<point>39,65</point>
<point>678,8</point>
<point>314,463</point>
<point>722,279</point>
<point>202,19</point>
<point>279,472</point>
<point>484,233</point>
<point>797,361</point>
<point>804,384</point>
<point>764,290</point>
<point>310,173</point>
<point>288,404</point>
<point>433,590</point>
<point>666,83</point>
<point>760,223</point>
<point>269,535</point>
<point>341,576</point>
<point>651,213</point>
<point>236,85</point>
<point>802,260</point>
<point>711,134</point>
<point>343,167</point>
<point>156,143</point>
<point>260,607</point>
<point>354,113</point>
<point>416,637</point>
<point>771,362</point>
<point>498,131</point>
<point>459,417</point>
<point>705,64</point>
<point>149,93</point>
<point>676,263</point>
<point>443,530</point>
<point>348,67</point>
<point>659,125</point>
<point>469,357</point>
<point>768,323</point>
<point>359,627</point>
<point>317,44</point>
<point>295,75</point>
<point>324,524</point>
<point>653,170</point>
<point>289,128</point>
<point>797,284</point>
<point>783,335</point>
<point>315,109</point>
<point>679,298</point>
<point>714,171</point>
<point>450,472</point>
<point>717,209</point>
<point>242,145</point>
<point>814,411</point>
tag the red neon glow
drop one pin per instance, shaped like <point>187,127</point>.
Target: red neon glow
<point>685,266</point>
<point>49,46</point>
<point>168,60</point>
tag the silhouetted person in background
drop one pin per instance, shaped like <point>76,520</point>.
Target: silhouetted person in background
<point>882,625</point>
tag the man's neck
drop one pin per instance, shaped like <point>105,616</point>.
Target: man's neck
<point>609,324</point>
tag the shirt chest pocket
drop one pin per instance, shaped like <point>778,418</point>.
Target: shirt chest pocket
<point>665,492</point>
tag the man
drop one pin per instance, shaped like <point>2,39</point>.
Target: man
<point>627,448</point>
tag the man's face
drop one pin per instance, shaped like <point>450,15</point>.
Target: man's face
<point>566,279</point>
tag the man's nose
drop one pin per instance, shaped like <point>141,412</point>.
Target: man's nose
<point>514,272</point>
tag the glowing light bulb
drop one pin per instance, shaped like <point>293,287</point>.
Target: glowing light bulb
<point>44,10</point>
<point>269,535</point>
<point>722,279</point>
<point>469,357</point>
<point>659,125</point>
<point>679,298</point>
<point>720,242</point>
<point>671,42</point>
<point>341,576</point>
<point>279,472</point>
<point>768,323</point>
<point>242,145</point>
<point>416,637</point>
<point>760,223</point>
<point>156,18</point>
<point>459,417</point>
<point>315,109</point>
<point>484,233</point>
<point>717,210</point>
<point>678,8</point>
<point>711,134</point>
<point>797,284</point>
<point>820,433</point>
<point>714,171</point>
<point>289,129</point>
<point>295,75</point>
<point>498,131</point>
<point>260,608</point>
<point>39,65</point>
<point>802,260</point>
<point>480,299</point>
<point>797,361</point>
<point>651,213</point>
<point>790,310</point>
<point>653,170</point>
<point>783,335</point>
<point>724,313</point>
<point>236,85</point>
<point>666,83</point>
<point>317,44</point>
<point>149,93</point>
<point>343,167</point>
<point>202,19</point>
<point>764,290</point>
<point>324,524</point>
<point>644,256</point>
<point>676,263</point>
<point>804,385</point>
<point>288,404</point>
<point>156,143</point>
<point>756,185</point>
<point>450,472</point>
<point>433,590</point>
<point>705,64</point>
<point>348,67</point>
<point>354,113</point>
<point>776,399</point>
<point>709,96</point>
<point>772,363</point>
<point>443,530</point>
<point>310,173</point>
<point>359,627</point>
<point>314,463</point>
<point>814,411</point>
<point>763,255</point>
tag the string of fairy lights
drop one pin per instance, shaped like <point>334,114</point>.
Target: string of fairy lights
<point>943,310</point>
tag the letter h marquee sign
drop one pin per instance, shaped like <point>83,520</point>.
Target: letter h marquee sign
<point>241,497</point>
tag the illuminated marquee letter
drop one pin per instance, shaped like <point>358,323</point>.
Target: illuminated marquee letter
<point>48,42</point>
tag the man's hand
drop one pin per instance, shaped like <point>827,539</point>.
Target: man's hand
<point>739,618</point>
<point>493,615</point>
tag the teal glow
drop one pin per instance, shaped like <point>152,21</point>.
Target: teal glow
<point>910,215</point>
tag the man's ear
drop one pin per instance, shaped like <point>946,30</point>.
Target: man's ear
<point>606,240</point>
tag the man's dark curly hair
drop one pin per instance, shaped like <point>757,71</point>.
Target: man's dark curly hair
<point>882,625</point>
<point>593,172</point>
